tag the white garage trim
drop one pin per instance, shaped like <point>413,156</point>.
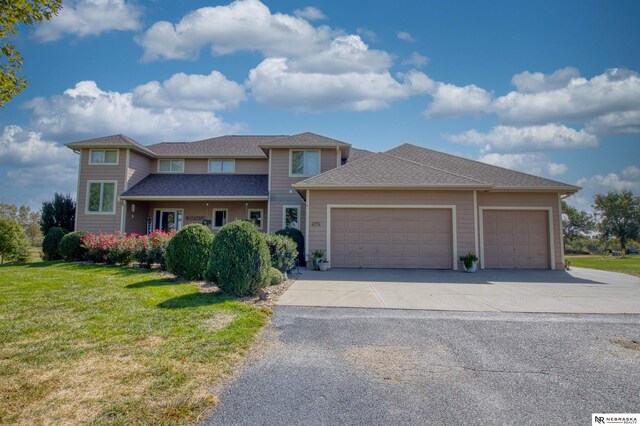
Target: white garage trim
<point>475,221</point>
<point>306,225</point>
<point>561,234</point>
<point>549,210</point>
<point>454,232</point>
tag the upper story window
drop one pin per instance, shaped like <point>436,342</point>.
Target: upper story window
<point>171,166</point>
<point>222,166</point>
<point>101,196</point>
<point>103,156</point>
<point>304,162</point>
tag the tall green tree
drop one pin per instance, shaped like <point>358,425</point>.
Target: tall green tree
<point>61,211</point>
<point>13,241</point>
<point>576,223</point>
<point>12,14</point>
<point>619,214</point>
<point>28,219</point>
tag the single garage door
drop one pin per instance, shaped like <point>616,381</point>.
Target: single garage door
<point>516,239</point>
<point>391,238</point>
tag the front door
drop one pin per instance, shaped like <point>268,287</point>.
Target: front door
<point>168,220</point>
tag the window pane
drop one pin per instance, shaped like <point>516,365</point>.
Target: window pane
<point>108,197</point>
<point>111,157</point>
<point>311,163</point>
<point>215,166</point>
<point>177,165</point>
<point>94,197</point>
<point>97,157</point>
<point>220,218</point>
<point>228,166</point>
<point>291,217</point>
<point>255,217</point>
<point>297,158</point>
<point>165,166</point>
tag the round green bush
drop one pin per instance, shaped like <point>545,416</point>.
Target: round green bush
<point>51,241</point>
<point>296,236</point>
<point>274,277</point>
<point>283,251</point>
<point>239,261</point>
<point>13,242</point>
<point>188,252</point>
<point>71,248</point>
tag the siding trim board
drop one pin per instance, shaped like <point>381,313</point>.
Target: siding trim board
<point>196,198</point>
<point>452,207</point>
<point>549,210</point>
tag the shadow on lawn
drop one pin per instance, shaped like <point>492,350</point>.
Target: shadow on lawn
<point>194,300</point>
<point>155,283</point>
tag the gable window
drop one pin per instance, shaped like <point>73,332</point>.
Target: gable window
<point>219,218</point>
<point>103,156</point>
<point>291,217</point>
<point>304,163</point>
<point>101,197</point>
<point>222,166</point>
<point>171,166</point>
<point>255,217</point>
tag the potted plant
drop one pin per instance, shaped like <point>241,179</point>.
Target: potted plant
<point>323,265</point>
<point>316,256</point>
<point>469,262</point>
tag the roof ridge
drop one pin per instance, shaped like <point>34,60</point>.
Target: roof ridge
<point>486,164</point>
<point>436,168</point>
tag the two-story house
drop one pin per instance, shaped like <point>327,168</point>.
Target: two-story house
<point>408,207</point>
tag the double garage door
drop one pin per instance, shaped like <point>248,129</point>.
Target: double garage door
<point>391,238</point>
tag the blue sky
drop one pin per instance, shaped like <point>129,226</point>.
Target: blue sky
<point>550,88</point>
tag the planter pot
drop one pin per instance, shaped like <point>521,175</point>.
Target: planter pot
<point>474,267</point>
<point>323,266</point>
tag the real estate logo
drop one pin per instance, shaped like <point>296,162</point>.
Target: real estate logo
<point>615,419</point>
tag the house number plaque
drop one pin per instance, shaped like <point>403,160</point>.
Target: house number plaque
<point>315,223</point>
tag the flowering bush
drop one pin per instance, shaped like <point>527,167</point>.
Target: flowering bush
<point>151,248</point>
<point>120,248</point>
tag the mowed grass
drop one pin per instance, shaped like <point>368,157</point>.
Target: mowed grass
<point>629,264</point>
<point>84,343</point>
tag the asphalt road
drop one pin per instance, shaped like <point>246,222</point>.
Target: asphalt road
<point>373,366</point>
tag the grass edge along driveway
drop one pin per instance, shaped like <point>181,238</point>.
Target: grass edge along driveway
<point>629,264</point>
<point>98,344</point>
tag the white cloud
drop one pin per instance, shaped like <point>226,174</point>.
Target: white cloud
<point>368,34</point>
<point>416,59</point>
<point>272,82</point>
<point>527,82</point>
<point>526,139</point>
<point>310,13</point>
<point>88,110</point>
<point>580,100</point>
<point>90,17</point>
<point>211,92</point>
<point>453,101</point>
<point>631,172</point>
<point>627,180</point>
<point>534,163</point>
<point>241,25</point>
<point>615,122</point>
<point>405,36</point>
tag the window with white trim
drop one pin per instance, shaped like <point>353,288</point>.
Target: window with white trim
<point>219,218</point>
<point>291,217</point>
<point>103,156</point>
<point>304,163</point>
<point>222,166</point>
<point>101,197</point>
<point>171,166</point>
<point>255,217</point>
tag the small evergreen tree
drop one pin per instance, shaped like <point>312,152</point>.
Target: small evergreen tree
<point>60,212</point>
<point>13,241</point>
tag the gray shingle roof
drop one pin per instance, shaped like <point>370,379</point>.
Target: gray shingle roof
<point>231,146</point>
<point>198,185</point>
<point>305,139</point>
<point>410,165</point>
<point>119,140</point>
<point>356,154</point>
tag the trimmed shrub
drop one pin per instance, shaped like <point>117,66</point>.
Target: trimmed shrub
<point>283,251</point>
<point>296,236</point>
<point>51,241</point>
<point>13,242</point>
<point>239,261</point>
<point>274,276</point>
<point>71,247</point>
<point>188,252</point>
<point>150,249</point>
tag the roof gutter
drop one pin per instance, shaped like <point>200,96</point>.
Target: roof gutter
<point>194,197</point>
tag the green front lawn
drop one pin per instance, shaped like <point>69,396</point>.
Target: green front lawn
<point>86,343</point>
<point>629,264</point>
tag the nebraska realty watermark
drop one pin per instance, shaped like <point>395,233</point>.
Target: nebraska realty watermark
<point>615,419</point>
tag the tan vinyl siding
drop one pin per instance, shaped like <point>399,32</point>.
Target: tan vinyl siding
<point>100,222</point>
<point>136,221</point>
<point>528,199</point>
<point>463,200</point>
<point>139,168</point>
<point>244,166</point>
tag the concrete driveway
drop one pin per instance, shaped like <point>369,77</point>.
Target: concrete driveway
<point>577,291</point>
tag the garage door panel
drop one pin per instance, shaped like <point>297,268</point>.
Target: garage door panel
<point>397,238</point>
<point>516,239</point>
